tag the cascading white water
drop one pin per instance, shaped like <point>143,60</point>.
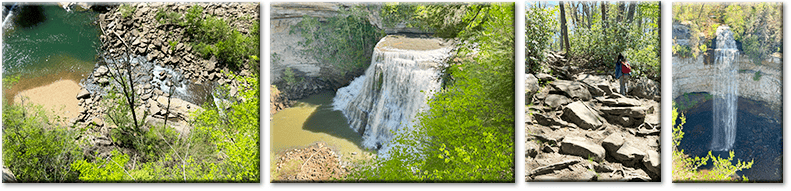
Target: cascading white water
<point>8,15</point>
<point>725,91</point>
<point>393,90</point>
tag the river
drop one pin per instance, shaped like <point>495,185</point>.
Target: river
<point>45,43</point>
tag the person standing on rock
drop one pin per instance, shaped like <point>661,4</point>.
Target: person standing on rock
<point>622,70</point>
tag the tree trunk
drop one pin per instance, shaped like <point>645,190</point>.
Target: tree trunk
<point>630,14</point>
<point>586,10</point>
<point>603,15</point>
<point>621,7</point>
<point>563,29</point>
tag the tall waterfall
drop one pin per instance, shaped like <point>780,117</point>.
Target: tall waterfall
<point>725,90</point>
<point>8,14</point>
<point>403,75</point>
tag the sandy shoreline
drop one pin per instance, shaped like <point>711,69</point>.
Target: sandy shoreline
<point>58,98</point>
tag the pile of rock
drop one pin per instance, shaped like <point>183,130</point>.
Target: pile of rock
<point>581,129</point>
<point>316,163</point>
<point>165,43</point>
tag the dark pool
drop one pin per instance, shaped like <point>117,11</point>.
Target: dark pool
<point>759,136</point>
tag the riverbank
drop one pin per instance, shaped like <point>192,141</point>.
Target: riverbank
<point>56,97</point>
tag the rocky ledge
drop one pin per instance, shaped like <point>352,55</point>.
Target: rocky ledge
<point>579,128</point>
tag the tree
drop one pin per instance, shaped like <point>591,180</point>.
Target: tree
<point>121,71</point>
<point>563,28</point>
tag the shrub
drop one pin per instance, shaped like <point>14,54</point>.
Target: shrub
<point>213,36</point>
<point>126,10</point>
<point>344,42</point>
<point>538,35</point>
<point>35,148</point>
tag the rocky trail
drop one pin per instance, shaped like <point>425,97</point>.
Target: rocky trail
<point>579,128</point>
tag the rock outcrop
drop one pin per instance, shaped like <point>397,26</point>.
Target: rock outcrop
<point>579,128</point>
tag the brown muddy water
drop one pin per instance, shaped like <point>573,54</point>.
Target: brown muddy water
<point>313,120</point>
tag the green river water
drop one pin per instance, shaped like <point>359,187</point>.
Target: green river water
<point>45,43</point>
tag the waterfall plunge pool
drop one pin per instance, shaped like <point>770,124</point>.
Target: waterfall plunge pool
<point>759,135</point>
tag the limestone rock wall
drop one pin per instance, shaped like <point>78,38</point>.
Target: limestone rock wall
<point>285,48</point>
<point>695,75</point>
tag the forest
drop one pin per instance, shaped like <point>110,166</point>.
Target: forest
<point>756,27</point>
<point>593,33</point>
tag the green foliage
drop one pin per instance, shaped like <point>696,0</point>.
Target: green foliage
<point>110,169</point>
<point>476,108</point>
<point>682,51</point>
<point>288,76</point>
<point>10,80</point>
<point>686,169</point>
<point>173,45</point>
<point>35,148</point>
<point>344,42</point>
<point>758,26</point>
<point>126,10</point>
<point>538,35</point>
<point>757,76</point>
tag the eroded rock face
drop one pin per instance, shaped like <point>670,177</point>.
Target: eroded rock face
<point>695,74</point>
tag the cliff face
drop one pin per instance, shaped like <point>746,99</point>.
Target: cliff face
<point>756,81</point>
<point>696,75</point>
<point>286,51</point>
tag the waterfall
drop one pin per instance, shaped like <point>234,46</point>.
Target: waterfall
<point>8,14</point>
<point>725,90</point>
<point>393,90</point>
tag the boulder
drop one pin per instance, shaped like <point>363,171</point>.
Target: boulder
<point>583,116</point>
<point>210,64</point>
<point>545,77</point>
<point>531,149</point>
<point>572,89</point>
<point>83,94</point>
<point>629,155</point>
<point>552,167</point>
<point>103,81</point>
<point>582,147</point>
<point>625,116</point>
<point>531,86</point>
<point>555,100</point>
<point>644,88</point>
<point>613,142</point>
<point>620,102</point>
<point>652,162</point>
<point>8,176</point>
<point>101,71</point>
